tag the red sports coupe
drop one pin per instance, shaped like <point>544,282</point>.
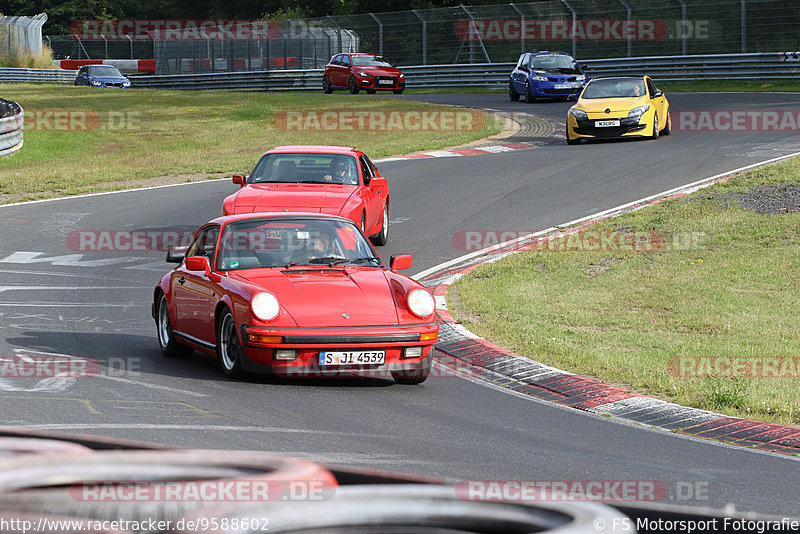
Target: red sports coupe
<point>327,179</point>
<point>354,72</point>
<point>295,294</point>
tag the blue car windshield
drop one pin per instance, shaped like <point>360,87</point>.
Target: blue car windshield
<point>555,63</point>
<point>615,88</point>
<point>105,70</point>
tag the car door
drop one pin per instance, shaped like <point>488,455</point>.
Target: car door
<point>520,73</point>
<point>659,101</point>
<point>194,294</point>
<point>337,71</point>
<point>376,189</point>
<point>83,76</point>
<point>345,69</point>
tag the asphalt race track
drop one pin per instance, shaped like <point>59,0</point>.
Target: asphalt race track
<point>56,299</point>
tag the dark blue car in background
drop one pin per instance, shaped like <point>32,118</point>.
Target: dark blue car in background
<point>101,76</point>
<point>546,75</point>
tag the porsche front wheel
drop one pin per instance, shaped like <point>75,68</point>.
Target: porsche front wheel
<point>229,349</point>
<point>166,337</point>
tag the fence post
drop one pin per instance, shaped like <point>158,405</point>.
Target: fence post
<point>339,31</point>
<point>380,32</point>
<point>684,24</point>
<point>424,37</point>
<point>574,25</point>
<point>744,25</point>
<point>521,28</point>
<point>628,26</point>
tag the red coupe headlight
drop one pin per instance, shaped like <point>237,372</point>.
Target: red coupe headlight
<point>265,306</point>
<point>420,303</point>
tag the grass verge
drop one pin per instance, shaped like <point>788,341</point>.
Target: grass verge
<point>80,139</point>
<point>711,280</point>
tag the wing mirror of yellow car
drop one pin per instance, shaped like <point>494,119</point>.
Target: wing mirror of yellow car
<point>398,262</point>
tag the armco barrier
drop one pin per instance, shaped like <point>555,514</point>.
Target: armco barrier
<point>11,126</point>
<point>37,76</point>
<point>758,66</point>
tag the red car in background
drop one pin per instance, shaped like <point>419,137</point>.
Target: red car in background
<point>354,72</point>
<point>325,179</point>
<point>297,295</point>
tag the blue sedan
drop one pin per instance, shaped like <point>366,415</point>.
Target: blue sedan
<point>101,76</point>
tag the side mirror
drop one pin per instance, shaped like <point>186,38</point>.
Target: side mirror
<point>198,263</point>
<point>238,179</point>
<point>175,255</point>
<point>398,262</point>
<point>658,93</point>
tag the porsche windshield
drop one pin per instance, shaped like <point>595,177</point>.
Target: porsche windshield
<point>305,168</point>
<point>282,242</point>
<point>615,88</point>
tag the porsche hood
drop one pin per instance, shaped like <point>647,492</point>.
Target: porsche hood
<point>321,296</point>
<point>292,197</point>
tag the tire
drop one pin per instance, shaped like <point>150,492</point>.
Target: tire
<point>370,91</point>
<point>229,348</point>
<point>529,98</point>
<point>411,378</point>
<point>170,347</point>
<point>353,86</point>
<point>382,237</point>
<point>668,128</point>
<point>398,91</point>
<point>513,95</point>
<point>326,85</point>
<point>655,126</point>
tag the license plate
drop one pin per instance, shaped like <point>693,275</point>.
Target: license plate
<point>385,82</point>
<point>605,124</point>
<point>567,85</point>
<point>357,357</point>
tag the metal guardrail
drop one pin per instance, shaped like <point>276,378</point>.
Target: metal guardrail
<point>37,76</point>
<point>761,66</point>
<point>11,126</point>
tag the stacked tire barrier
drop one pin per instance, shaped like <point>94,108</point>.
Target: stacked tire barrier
<point>62,484</point>
<point>11,126</point>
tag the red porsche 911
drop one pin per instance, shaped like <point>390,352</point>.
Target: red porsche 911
<point>325,179</point>
<point>294,294</point>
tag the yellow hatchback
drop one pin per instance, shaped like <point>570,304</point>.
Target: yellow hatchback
<point>629,106</point>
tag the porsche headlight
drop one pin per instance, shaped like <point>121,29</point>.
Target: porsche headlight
<point>636,113</point>
<point>578,113</point>
<point>265,306</point>
<point>421,303</point>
